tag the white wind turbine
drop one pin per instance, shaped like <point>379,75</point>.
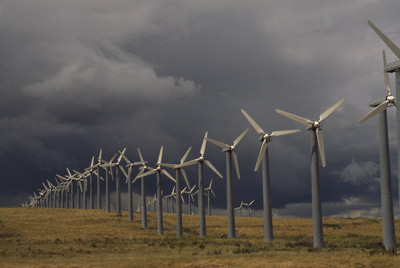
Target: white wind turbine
<point>105,166</point>
<point>248,206</point>
<point>159,171</point>
<point>389,238</point>
<point>200,161</point>
<point>142,169</point>
<point>229,150</point>
<point>118,167</point>
<point>263,156</point>
<point>240,208</point>
<point>190,198</point>
<point>178,170</point>
<point>209,190</point>
<point>316,138</point>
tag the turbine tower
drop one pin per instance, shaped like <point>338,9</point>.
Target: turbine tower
<point>178,170</point>
<point>200,197</point>
<point>190,198</point>
<point>248,207</point>
<point>229,151</point>
<point>263,156</point>
<point>159,171</point>
<point>209,190</point>
<point>105,165</point>
<point>315,138</point>
<point>393,67</point>
<point>389,238</point>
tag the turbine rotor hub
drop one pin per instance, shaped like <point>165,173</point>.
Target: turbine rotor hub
<point>201,158</point>
<point>265,137</point>
<point>391,99</point>
<point>316,125</point>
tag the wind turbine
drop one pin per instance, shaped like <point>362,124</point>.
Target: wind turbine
<point>316,138</point>
<point>167,197</point>
<point>97,167</point>
<point>240,208</point>
<point>117,181</point>
<point>209,190</point>
<point>200,196</point>
<point>229,151</point>
<point>142,169</point>
<point>190,198</point>
<point>248,206</point>
<point>159,171</point>
<point>90,171</point>
<point>105,166</point>
<point>263,156</point>
<point>178,169</point>
<point>389,238</point>
<point>128,180</point>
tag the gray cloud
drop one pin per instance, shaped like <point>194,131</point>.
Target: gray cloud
<point>79,76</point>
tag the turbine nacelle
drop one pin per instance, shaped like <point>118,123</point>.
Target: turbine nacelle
<point>391,99</point>
<point>314,125</point>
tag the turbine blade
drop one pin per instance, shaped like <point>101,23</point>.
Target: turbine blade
<point>137,177</point>
<point>284,132</point>
<point>140,155</point>
<point>185,177</point>
<point>235,160</point>
<point>219,144</point>
<point>253,123</point>
<point>251,202</point>
<point>261,154</point>
<point>208,163</point>
<point>121,155</point>
<point>126,159</point>
<point>69,172</point>
<point>146,173</point>
<point>209,186</point>
<point>112,158</point>
<point>191,162</point>
<point>203,145</point>
<point>294,117</point>
<point>320,140</point>
<point>395,49</point>
<point>163,171</point>
<point>159,160</point>
<point>185,155</point>
<point>330,110</point>
<point>92,161</point>
<point>380,108</point>
<point>80,186</point>
<point>123,171</point>
<point>213,193</point>
<point>240,137</point>
<point>167,165</point>
<point>100,154</point>
<point>387,81</point>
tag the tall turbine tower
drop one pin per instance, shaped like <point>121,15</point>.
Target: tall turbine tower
<point>200,196</point>
<point>263,156</point>
<point>159,171</point>
<point>393,67</point>
<point>389,238</point>
<point>315,138</point>
<point>229,151</point>
<point>178,169</point>
<point>106,165</point>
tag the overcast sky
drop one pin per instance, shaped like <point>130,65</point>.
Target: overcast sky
<point>77,76</point>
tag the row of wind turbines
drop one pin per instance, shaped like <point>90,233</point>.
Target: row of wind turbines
<point>317,150</point>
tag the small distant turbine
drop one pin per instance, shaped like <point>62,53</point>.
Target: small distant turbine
<point>316,138</point>
<point>190,194</point>
<point>263,156</point>
<point>248,207</point>
<point>209,190</point>
<point>240,208</point>
<point>200,196</point>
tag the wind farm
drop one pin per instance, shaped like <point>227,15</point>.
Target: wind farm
<point>213,95</point>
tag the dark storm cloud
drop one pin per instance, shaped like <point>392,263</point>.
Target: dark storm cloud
<point>76,77</point>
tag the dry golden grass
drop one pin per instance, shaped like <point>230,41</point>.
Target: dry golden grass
<point>42,237</point>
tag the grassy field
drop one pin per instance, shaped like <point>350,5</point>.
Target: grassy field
<point>40,237</point>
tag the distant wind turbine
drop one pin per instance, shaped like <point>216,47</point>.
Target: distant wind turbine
<point>200,196</point>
